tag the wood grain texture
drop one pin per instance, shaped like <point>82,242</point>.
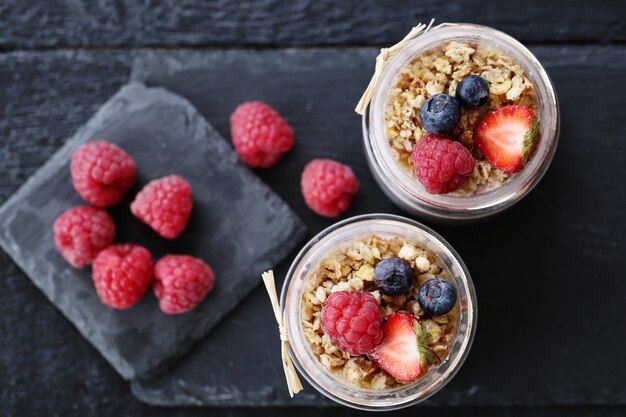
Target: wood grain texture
<point>548,272</point>
<point>64,23</point>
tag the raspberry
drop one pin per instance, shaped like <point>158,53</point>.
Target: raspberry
<point>102,173</point>
<point>352,321</point>
<point>441,164</point>
<point>81,232</point>
<point>164,205</point>
<point>122,274</point>
<point>181,282</point>
<point>328,187</point>
<point>260,135</point>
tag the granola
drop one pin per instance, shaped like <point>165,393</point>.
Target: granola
<point>440,70</point>
<point>351,267</point>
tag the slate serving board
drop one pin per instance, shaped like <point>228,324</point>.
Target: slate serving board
<point>238,225</point>
<point>547,325</point>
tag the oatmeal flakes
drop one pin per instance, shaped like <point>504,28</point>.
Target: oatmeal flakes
<point>418,101</point>
<point>417,135</point>
<point>312,336</point>
<point>358,369</point>
<point>434,269</point>
<point>307,312</point>
<point>516,90</point>
<point>341,286</point>
<point>317,324</point>
<point>460,73</point>
<point>458,52</point>
<point>408,252</point>
<point>328,345</point>
<point>428,76</point>
<point>424,277</point>
<point>422,263</point>
<point>388,309</point>
<point>320,294</point>
<point>356,284</point>
<point>379,381</point>
<point>365,272</point>
<point>317,349</point>
<point>433,87</point>
<point>330,361</point>
<point>311,298</point>
<point>494,75</point>
<point>500,88</point>
<point>443,66</point>
<point>396,300</point>
<point>452,88</point>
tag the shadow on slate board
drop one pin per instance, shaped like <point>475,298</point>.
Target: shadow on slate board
<point>237,225</point>
<point>545,334</point>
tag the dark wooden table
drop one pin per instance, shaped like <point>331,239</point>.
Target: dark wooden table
<point>562,278</point>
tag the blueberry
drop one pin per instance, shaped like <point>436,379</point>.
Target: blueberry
<point>472,92</point>
<point>440,114</point>
<point>393,276</point>
<point>437,296</point>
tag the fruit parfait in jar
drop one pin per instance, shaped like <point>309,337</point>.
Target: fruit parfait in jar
<point>462,123</point>
<point>380,312</point>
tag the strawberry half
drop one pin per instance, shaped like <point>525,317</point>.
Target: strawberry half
<point>507,137</point>
<point>403,353</point>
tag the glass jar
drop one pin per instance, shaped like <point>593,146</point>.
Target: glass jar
<point>403,188</point>
<point>338,389</point>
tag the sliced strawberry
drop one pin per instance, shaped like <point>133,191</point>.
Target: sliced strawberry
<point>399,352</point>
<point>507,137</point>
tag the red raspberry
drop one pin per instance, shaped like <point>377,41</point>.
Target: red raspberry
<point>164,205</point>
<point>441,164</point>
<point>352,321</point>
<point>102,173</point>
<point>122,274</point>
<point>328,187</point>
<point>260,135</point>
<point>181,282</point>
<point>81,232</point>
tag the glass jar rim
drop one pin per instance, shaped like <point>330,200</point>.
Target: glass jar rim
<point>342,391</point>
<point>407,189</point>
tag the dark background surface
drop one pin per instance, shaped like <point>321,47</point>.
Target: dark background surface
<point>549,273</point>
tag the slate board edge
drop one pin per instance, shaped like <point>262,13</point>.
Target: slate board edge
<point>8,245</point>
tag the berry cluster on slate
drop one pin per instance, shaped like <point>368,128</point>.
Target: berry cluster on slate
<point>102,174</point>
<point>261,137</point>
<point>354,323</point>
<point>507,137</point>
